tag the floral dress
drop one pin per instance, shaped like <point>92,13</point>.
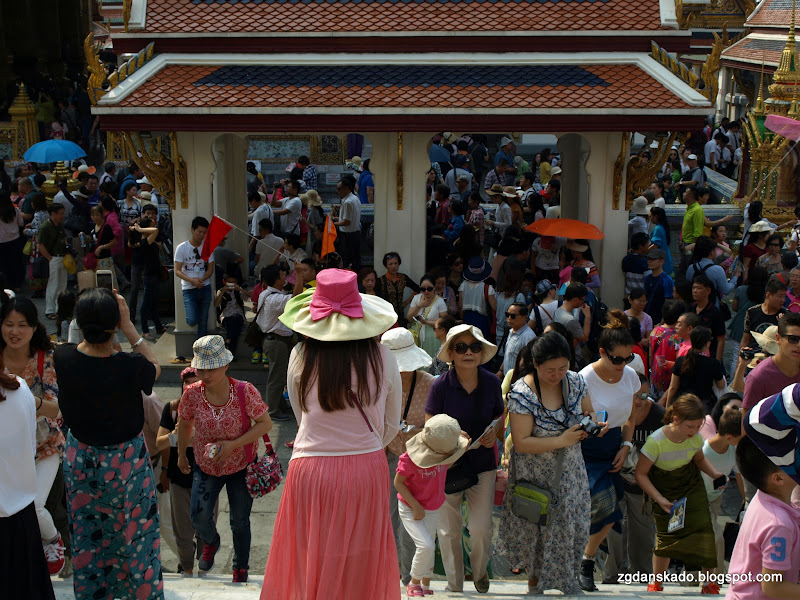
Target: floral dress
<point>664,345</point>
<point>552,553</point>
<point>49,439</point>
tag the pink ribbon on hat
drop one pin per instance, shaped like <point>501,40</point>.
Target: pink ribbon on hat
<point>349,305</point>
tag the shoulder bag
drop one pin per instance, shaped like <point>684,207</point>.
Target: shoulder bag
<point>254,335</point>
<point>529,501</point>
<point>263,474</point>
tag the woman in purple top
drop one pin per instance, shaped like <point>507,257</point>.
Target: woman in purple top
<point>472,396</point>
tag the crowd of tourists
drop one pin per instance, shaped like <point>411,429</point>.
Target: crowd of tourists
<point>496,387</point>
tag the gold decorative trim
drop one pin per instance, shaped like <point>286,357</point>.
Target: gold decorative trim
<point>159,168</point>
<point>400,170</point>
<point>640,175</point>
<point>97,73</point>
<point>619,167</point>
<point>126,13</point>
<point>678,68</point>
<point>181,173</point>
<point>23,129</point>
<point>129,68</point>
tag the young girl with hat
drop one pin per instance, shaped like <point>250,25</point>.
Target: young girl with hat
<point>333,534</point>
<point>419,481</point>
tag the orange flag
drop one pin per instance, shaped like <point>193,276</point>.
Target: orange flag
<point>328,237</point>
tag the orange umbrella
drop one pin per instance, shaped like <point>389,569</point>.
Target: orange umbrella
<point>567,228</point>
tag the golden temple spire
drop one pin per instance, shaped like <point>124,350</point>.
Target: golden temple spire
<point>786,79</point>
<point>759,110</point>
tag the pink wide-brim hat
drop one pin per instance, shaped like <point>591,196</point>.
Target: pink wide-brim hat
<point>334,311</point>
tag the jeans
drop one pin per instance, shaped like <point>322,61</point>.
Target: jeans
<point>196,303</point>
<point>205,492</point>
<point>136,285</point>
<point>56,283</point>
<point>233,328</point>
<point>149,308</point>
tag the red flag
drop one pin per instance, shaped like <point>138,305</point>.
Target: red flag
<point>328,237</point>
<point>217,230</point>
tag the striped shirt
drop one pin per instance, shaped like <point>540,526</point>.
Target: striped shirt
<point>668,455</point>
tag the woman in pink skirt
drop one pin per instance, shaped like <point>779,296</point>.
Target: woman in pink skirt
<point>333,536</point>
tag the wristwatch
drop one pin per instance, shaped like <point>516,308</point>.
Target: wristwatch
<point>628,444</point>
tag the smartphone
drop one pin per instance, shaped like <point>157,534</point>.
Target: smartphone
<point>231,286</point>
<point>602,416</point>
<point>105,280</point>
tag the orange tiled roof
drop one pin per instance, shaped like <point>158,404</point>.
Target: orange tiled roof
<point>404,86</point>
<point>772,13</point>
<point>311,16</point>
<point>754,50</point>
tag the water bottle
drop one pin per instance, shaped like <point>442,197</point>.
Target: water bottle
<point>82,237</point>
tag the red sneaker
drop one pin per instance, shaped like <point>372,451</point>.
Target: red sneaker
<point>54,553</point>
<point>240,576</point>
<point>710,588</point>
<point>206,562</point>
<point>655,587</point>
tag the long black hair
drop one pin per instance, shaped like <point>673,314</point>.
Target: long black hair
<point>661,219</point>
<point>26,307</point>
<point>7,210</point>
<point>700,336</point>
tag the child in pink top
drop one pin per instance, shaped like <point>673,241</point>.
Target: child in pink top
<point>769,538</point>
<point>420,478</point>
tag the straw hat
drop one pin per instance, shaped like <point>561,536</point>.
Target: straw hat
<point>449,137</point>
<point>489,349</point>
<point>334,311</point>
<point>505,140</point>
<point>477,269</point>
<point>144,181</point>
<point>762,225</point>
<point>311,198</point>
<point>146,196</point>
<point>356,160</point>
<point>210,353</point>
<point>767,340</point>
<point>439,443</point>
<point>495,190</point>
<point>510,191</point>
<point>410,357</point>
<point>555,171</point>
<point>640,206</point>
<point>83,169</point>
<point>573,245</point>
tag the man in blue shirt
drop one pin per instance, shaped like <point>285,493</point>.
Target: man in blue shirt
<point>507,151</point>
<point>657,285</point>
<point>366,185</point>
<point>134,173</point>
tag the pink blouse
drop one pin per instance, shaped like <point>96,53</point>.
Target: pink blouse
<point>346,432</point>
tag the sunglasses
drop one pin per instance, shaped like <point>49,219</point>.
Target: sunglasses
<point>511,315</point>
<point>474,347</point>
<point>618,360</point>
<point>792,339</point>
<point>426,289</point>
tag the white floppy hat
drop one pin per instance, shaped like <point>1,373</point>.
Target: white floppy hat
<point>489,349</point>
<point>439,443</point>
<point>210,353</point>
<point>410,357</point>
<point>640,206</point>
<point>505,140</point>
<point>767,340</point>
<point>762,225</point>
<point>555,171</point>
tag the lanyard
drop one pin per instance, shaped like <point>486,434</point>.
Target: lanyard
<point>410,394</point>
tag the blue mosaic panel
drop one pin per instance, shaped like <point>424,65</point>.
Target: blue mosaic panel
<point>402,76</point>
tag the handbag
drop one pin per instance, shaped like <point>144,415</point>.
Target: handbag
<point>28,247</point>
<point>460,477</point>
<point>254,335</point>
<point>263,474</point>
<point>90,261</point>
<point>531,502</point>
<point>42,423</point>
<point>492,238</point>
<point>731,533</point>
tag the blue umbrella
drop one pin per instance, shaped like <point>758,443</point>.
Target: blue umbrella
<point>50,151</point>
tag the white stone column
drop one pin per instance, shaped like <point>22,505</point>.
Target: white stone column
<point>401,231</point>
<point>195,147</point>
<point>229,189</point>
<point>609,252</point>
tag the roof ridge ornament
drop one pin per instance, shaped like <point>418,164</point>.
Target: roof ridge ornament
<point>680,70</point>
<point>134,64</point>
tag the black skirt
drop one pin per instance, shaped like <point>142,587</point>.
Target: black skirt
<point>23,567</point>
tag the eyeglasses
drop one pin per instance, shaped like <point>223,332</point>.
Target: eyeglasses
<point>426,289</point>
<point>618,360</point>
<point>512,315</point>
<point>792,339</point>
<point>474,347</point>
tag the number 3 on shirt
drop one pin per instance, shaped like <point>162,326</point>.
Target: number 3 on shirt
<point>780,549</point>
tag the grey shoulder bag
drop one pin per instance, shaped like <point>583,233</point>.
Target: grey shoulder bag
<point>529,501</point>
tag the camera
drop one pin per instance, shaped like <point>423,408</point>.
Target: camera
<point>747,353</point>
<point>590,427</point>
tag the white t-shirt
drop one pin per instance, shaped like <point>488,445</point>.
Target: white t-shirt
<point>548,312</point>
<point>17,450</point>
<point>724,463</point>
<point>264,211</point>
<point>615,398</point>
<point>60,198</point>
<point>193,265</point>
<point>473,296</point>
<point>710,149</point>
<point>290,223</point>
<point>350,211</point>
<point>267,249</point>
<point>547,259</point>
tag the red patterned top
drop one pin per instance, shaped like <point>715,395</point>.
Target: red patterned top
<point>214,423</point>
<point>49,439</point>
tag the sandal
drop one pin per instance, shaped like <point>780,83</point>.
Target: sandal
<point>289,445</point>
<point>180,360</point>
<point>147,336</point>
<point>52,317</point>
<point>516,571</point>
